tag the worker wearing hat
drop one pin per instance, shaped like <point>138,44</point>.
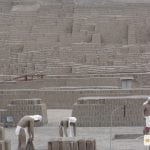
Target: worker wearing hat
<point>25,129</point>
<point>146,114</point>
<point>66,123</point>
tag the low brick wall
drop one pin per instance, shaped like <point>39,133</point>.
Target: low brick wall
<point>72,144</point>
<point>21,107</point>
<point>99,111</point>
<point>63,97</point>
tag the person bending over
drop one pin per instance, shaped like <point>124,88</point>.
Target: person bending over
<point>25,129</point>
<point>146,113</point>
<point>67,123</point>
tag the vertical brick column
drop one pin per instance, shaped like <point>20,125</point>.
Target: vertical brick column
<point>131,34</point>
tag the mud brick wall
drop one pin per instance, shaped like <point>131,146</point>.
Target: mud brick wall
<point>72,143</point>
<point>64,97</point>
<point>91,35</point>
<point>4,144</point>
<point>62,82</point>
<point>2,116</point>
<point>98,111</point>
<point>5,5</point>
<point>21,107</point>
<point>114,80</point>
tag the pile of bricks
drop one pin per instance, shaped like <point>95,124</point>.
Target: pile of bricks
<point>21,107</point>
<point>109,111</point>
<point>65,97</point>
<point>4,144</point>
<point>72,144</point>
<point>91,36</point>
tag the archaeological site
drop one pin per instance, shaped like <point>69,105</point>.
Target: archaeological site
<point>89,59</point>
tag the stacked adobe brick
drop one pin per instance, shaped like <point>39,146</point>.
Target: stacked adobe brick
<point>4,144</point>
<point>5,5</point>
<point>109,111</point>
<point>21,107</point>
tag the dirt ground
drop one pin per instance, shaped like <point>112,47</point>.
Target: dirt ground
<point>101,134</point>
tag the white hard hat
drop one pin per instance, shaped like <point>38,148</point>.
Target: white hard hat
<point>36,117</point>
<point>72,119</point>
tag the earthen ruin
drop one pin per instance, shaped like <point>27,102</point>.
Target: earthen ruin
<point>62,50</point>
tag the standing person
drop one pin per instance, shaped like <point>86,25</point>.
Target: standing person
<point>25,129</point>
<point>66,123</point>
<point>146,113</point>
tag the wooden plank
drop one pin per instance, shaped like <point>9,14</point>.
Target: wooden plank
<point>55,145</point>
<point>2,145</point>
<point>2,133</point>
<point>90,144</point>
<point>66,145</point>
<point>81,144</point>
<point>50,145</point>
<point>75,145</point>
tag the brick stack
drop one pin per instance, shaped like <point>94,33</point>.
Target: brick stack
<point>5,5</point>
<point>4,144</point>
<point>2,116</point>
<point>72,144</point>
<point>90,29</point>
<point>21,107</point>
<point>99,111</point>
